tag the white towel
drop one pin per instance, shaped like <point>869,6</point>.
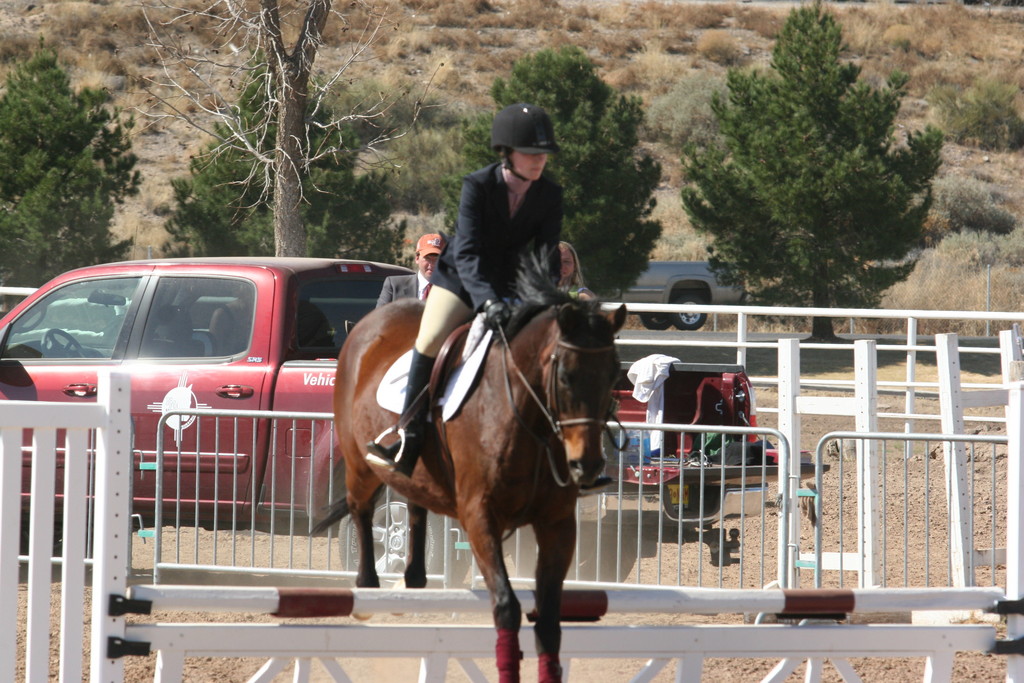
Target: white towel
<point>648,376</point>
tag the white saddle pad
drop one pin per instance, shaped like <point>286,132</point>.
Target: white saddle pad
<point>391,392</point>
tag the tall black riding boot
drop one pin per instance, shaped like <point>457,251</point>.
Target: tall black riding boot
<point>402,455</point>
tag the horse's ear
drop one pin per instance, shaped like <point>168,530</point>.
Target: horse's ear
<point>617,318</point>
<point>569,317</point>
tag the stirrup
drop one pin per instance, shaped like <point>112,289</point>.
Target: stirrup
<point>386,456</point>
<point>596,486</point>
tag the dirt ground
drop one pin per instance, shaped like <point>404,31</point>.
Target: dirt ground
<point>915,527</point>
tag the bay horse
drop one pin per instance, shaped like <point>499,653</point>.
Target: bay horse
<point>515,454</point>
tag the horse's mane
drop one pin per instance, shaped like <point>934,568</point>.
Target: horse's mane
<point>537,292</point>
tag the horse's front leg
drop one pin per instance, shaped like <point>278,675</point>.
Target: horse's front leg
<point>555,546</point>
<point>416,563</point>
<point>485,539</point>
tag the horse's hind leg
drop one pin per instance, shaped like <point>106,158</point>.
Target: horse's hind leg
<point>555,545</point>
<point>416,566</point>
<point>362,518</point>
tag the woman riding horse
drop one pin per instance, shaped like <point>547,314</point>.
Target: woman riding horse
<point>514,454</point>
<point>506,209</point>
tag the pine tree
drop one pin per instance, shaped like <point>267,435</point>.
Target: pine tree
<point>224,208</point>
<point>608,182</point>
<point>813,200</point>
<point>65,163</point>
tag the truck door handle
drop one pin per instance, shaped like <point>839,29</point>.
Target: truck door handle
<point>235,391</point>
<point>81,390</point>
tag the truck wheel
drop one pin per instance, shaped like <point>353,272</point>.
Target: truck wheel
<point>689,320</point>
<point>655,321</point>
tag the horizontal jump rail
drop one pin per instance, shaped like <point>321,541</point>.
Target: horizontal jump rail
<point>775,641</point>
<point>656,646</point>
<point>576,604</point>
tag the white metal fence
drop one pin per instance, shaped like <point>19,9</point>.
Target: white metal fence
<point>115,636</point>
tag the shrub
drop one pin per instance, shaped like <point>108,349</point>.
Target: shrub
<point>765,23</point>
<point>423,159</point>
<point>967,271</point>
<point>984,114</point>
<point>683,115</point>
<point>16,47</point>
<point>720,47</point>
<point>899,36</point>
<point>967,204</point>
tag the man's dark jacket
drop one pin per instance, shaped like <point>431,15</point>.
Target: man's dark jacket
<point>398,287</point>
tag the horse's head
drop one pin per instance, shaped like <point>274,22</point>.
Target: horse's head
<point>583,371</point>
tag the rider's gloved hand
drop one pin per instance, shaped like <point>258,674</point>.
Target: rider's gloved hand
<point>496,313</point>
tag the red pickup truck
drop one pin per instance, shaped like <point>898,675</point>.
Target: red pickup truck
<point>258,334</point>
<point>205,333</point>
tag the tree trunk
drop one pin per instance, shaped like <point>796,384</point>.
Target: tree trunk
<point>289,228</point>
<point>291,74</point>
<point>821,329</point>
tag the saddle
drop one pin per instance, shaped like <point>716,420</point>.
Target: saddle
<point>453,376</point>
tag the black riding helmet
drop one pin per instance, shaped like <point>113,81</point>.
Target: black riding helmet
<point>525,128</point>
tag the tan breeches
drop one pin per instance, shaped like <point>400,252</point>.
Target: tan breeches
<point>444,312</point>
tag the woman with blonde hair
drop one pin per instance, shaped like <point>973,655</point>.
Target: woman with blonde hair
<point>571,276</point>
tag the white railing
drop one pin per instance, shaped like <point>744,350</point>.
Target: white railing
<point>913,349</point>
<point>16,291</point>
<point>113,637</point>
<point>684,646</point>
<point>52,460</point>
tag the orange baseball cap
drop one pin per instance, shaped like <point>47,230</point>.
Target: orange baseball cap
<point>430,244</point>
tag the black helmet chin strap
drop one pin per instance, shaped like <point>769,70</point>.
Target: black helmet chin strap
<point>507,163</point>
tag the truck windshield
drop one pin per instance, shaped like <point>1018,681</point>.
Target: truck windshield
<point>80,320</point>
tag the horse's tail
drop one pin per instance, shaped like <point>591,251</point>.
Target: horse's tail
<point>335,513</point>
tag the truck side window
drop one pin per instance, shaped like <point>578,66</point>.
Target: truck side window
<point>80,320</point>
<point>199,317</point>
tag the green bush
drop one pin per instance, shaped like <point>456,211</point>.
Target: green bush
<point>425,145</point>
<point>421,160</point>
<point>984,114</point>
<point>683,115</point>
<point>1011,251</point>
<point>967,204</point>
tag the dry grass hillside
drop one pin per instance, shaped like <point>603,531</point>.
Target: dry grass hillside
<point>641,48</point>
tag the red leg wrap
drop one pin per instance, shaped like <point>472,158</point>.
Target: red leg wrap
<point>507,654</point>
<point>549,668</point>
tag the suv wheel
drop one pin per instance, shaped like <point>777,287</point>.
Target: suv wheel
<point>689,320</point>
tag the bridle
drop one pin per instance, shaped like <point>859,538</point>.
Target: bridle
<point>552,387</point>
<point>548,410</point>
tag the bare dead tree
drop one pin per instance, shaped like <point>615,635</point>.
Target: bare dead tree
<point>207,51</point>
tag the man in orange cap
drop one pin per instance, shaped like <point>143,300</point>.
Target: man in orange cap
<point>428,248</point>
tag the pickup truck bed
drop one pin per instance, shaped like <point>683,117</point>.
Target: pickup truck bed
<point>687,477</point>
